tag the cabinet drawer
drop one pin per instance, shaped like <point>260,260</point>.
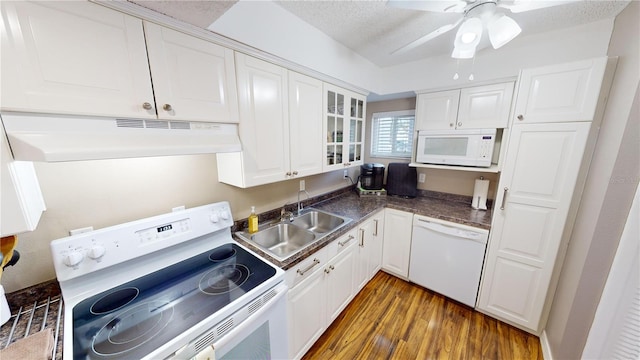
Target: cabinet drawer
<point>342,243</point>
<point>306,267</point>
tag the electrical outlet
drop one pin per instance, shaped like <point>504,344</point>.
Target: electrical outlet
<point>302,188</point>
<point>346,174</point>
<point>421,178</point>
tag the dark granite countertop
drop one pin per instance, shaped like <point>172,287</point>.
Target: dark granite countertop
<point>449,207</point>
<point>345,202</point>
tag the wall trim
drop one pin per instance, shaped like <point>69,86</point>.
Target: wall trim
<point>546,348</point>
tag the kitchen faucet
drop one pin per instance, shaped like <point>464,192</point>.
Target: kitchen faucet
<point>300,206</point>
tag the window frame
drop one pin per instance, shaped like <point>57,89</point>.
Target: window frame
<point>374,126</point>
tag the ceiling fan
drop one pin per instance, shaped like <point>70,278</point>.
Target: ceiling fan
<point>478,15</point>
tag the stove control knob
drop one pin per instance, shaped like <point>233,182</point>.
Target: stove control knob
<point>96,252</point>
<point>214,218</point>
<point>73,258</point>
<point>224,214</point>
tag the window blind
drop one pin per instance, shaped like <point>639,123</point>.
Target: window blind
<point>392,134</point>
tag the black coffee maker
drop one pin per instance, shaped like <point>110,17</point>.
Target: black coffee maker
<point>371,176</point>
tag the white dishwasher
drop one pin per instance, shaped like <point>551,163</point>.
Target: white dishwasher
<point>447,258</point>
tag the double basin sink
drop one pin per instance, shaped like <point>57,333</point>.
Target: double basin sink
<point>286,238</point>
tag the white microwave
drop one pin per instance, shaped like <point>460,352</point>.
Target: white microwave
<point>456,147</point>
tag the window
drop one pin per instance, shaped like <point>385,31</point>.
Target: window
<point>392,134</point>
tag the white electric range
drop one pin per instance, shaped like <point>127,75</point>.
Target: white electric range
<point>171,286</point>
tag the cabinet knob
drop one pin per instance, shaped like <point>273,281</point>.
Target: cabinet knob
<point>450,124</point>
<point>460,124</point>
<point>147,106</point>
<point>288,173</point>
<point>295,173</point>
<point>167,107</point>
<point>520,117</point>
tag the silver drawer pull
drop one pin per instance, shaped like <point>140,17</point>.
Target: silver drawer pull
<point>376,230</point>
<point>343,243</point>
<point>361,237</point>
<point>504,198</point>
<point>315,262</point>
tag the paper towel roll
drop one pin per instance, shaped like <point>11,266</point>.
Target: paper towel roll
<point>480,191</point>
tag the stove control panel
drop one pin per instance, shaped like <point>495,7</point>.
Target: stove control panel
<point>96,250</point>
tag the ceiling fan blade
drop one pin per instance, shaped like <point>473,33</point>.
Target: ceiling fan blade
<point>455,6</point>
<point>518,6</point>
<point>432,35</point>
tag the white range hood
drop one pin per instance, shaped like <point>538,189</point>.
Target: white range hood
<point>52,138</point>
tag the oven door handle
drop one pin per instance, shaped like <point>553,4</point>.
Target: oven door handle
<point>186,351</point>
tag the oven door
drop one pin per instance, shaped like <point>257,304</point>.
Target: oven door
<point>263,335</point>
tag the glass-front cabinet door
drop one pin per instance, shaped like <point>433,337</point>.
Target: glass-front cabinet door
<point>344,128</point>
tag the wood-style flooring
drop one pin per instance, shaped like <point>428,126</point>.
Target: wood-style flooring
<point>394,319</point>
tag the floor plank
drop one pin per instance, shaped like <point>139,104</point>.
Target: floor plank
<point>394,319</point>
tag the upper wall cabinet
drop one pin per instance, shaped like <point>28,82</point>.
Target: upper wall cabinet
<point>281,127</point>
<point>81,58</point>
<point>344,113</point>
<point>437,111</point>
<point>264,128</point>
<point>193,79</point>
<point>560,93</point>
<point>75,58</point>
<point>477,107</point>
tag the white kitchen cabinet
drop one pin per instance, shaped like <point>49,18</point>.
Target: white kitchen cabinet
<point>343,126</point>
<point>437,111</point>
<point>485,107</point>
<point>340,277</point>
<point>370,238</point>
<point>305,125</point>
<point>397,242</point>
<point>21,201</point>
<point>307,309</point>
<point>541,181</point>
<point>324,290</point>
<point>73,57</point>
<point>193,79</point>
<point>264,126</point>
<point>81,58</point>
<point>560,93</point>
<point>479,107</point>
<point>280,128</point>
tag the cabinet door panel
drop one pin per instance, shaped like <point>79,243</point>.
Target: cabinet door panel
<point>527,230</point>
<point>340,282</point>
<point>485,106</point>
<point>397,242</point>
<point>194,76</point>
<point>545,163</point>
<point>307,301</point>
<point>567,92</point>
<point>265,120</point>
<point>437,111</point>
<point>305,128</point>
<point>513,292</point>
<point>74,58</point>
<point>539,225</point>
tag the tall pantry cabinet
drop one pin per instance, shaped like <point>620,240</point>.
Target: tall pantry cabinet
<point>557,116</point>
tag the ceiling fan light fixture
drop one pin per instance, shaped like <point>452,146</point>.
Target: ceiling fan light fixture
<point>502,30</point>
<point>461,52</point>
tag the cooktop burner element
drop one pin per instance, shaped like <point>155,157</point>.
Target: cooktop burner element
<point>114,301</point>
<point>133,319</point>
<point>132,328</point>
<point>223,279</point>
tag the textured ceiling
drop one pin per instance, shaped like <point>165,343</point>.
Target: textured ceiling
<point>374,30</point>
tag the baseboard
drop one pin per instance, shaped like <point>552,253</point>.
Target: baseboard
<point>544,344</point>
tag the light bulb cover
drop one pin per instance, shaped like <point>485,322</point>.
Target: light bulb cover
<point>502,29</point>
<point>463,52</point>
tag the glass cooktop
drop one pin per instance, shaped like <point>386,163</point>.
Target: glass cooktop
<point>133,319</point>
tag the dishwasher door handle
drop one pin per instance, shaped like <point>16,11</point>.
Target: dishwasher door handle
<point>450,230</point>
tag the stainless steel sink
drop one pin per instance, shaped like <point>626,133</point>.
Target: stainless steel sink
<point>286,238</point>
<point>319,222</point>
